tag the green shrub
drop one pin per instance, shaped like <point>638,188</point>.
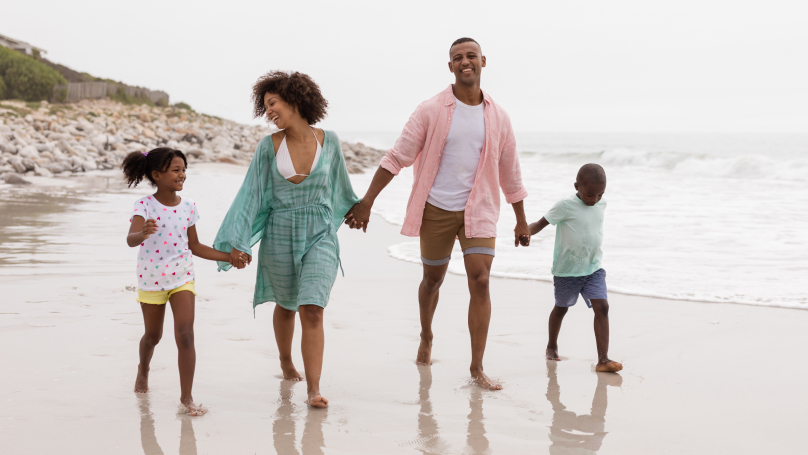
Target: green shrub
<point>2,89</point>
<point>182,105</point>
<point>162,102</point>
<point>25,78</point>
<point>121,96</point>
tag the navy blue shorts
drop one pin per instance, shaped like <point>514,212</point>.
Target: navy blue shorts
<point>567,288</point>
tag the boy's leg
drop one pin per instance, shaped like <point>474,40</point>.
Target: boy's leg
<point>553,328</point>
<point>283,321</point>
<point>601,308</point>
<point>313,344</point>
<point>182,307</point>
<point>153,316</point>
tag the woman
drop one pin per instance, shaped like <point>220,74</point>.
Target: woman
<point>293,199</point>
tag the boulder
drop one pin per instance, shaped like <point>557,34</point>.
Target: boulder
<point>29,151</point>
<point>29,164</point>
<point>55,167</point>
<point>89,165</point>
<point>43,147</point>
<point>42,172</point>
<point>15,179</point>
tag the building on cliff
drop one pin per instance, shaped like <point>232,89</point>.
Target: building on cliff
<point>20,46</point>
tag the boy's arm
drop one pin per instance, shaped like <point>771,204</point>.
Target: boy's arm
<point>536,227</point>
<point>211,254</point>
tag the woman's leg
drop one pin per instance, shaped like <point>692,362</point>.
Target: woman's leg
<point>182,306</point>
<point>283,321</point>
<point>153,316</point>
<point>313,344</point>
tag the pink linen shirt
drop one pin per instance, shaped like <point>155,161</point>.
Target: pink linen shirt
<point>421,143</point>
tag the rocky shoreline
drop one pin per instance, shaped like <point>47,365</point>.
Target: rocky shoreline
<point>46,140</point>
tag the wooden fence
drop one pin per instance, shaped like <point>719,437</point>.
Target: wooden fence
<point>75,91</point>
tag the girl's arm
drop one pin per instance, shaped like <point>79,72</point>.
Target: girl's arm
<point>140,230</point>
<point>206,252</point>
<point>536,227</point>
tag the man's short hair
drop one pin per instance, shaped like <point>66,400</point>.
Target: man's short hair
<point>464,40</point>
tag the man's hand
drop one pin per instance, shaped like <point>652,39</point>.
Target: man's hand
<point>359,216</point>
<point>521,234</point>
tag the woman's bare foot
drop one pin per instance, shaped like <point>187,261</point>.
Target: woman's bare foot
<point>609,366</point>
<point>192,409</point>
<point>482,380</point>
<point>424,353</point>
<point>551,354</point>
<point>290,372</point>
<point>317,401</point>
<point>142,381</point>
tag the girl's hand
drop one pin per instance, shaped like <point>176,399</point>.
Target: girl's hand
<point>149,228</point>
<point>238,259</point>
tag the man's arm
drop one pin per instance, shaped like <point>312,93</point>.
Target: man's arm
<point>358,216</point>
<point>521,232</point>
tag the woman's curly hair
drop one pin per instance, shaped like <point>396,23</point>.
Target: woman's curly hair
<point>296,89</point>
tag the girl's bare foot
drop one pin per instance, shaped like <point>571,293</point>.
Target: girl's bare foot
<point>142,381</point>
<point>552,354</point>
<point>317,401</point>
<point>192,409</point>
<point>290,372</point>
<point>609,366</point>
<point>482,380</point>
<point>424,356</point>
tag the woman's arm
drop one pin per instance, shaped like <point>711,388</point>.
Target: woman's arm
<point>206,252</point>
<point>140,230</point>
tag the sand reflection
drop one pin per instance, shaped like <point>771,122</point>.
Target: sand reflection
<point>148,440</point>
<point>578,434</point>
<point>476,440</point>
<point>283,428</point>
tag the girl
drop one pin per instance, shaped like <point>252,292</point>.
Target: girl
<point>164,225</point>
<point>293,199</point>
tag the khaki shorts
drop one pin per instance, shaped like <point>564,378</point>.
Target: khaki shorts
<point>439,228</point>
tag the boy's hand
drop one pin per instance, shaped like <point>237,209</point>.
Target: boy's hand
<point>149,228</point>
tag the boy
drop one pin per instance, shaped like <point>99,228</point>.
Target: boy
<point>576,260</point>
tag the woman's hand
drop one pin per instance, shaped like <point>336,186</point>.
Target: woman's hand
<point>238,259</point>
<point>358,216</point>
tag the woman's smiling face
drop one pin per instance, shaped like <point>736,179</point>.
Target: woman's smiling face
<point>278,112</point>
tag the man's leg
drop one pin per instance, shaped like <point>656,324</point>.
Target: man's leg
<point>478,270</point>
<point>428,293</point>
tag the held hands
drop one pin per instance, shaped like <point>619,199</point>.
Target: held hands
<point>359,216</point>
<point>522,234</point>
<point>238,259</point>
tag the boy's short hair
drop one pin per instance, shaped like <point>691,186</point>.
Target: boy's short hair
<point>591,173</point>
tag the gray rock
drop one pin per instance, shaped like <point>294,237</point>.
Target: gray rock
<point>43,147</point>
<point>89,165</point>
<point>55,167</point>
<point>28,151</point>
<point>42,172</point>
<point>29,164</point>
<point>15,179</point>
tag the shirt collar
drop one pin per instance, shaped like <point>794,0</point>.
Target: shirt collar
<point>449,98</point>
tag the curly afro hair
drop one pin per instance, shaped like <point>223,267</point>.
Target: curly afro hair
<point>139,165</point>
<point>296,89</point>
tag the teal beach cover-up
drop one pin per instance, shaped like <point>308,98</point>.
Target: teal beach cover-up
<point>296,223</point>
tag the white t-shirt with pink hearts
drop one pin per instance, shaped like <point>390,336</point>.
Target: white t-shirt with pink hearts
<point>164,261</point>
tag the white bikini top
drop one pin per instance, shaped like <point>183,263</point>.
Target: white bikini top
<point>284,160</point>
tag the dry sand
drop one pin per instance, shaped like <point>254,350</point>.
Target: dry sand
<point>699,378</point>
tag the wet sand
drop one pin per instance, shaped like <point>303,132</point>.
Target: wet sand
<point>699,378</point>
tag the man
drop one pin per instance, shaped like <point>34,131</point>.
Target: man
<point>463,148</point>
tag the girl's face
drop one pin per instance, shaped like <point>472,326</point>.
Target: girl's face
<point>278,112</point>
<point>172,178</point>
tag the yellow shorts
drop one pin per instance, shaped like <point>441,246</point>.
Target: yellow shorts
<point>161,297</point>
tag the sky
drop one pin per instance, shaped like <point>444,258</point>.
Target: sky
<point>556,66</point>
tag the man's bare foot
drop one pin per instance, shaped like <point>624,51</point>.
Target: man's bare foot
<point>317,401</point>
<point>142,381</point>
<point>551,354</point>
<point>482,380</point>
<point>192,409</point>
<point>290,372</point>
<point>424,353</point>
<point>608,366</point>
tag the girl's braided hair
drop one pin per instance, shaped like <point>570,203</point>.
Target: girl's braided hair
<point>137,165</point>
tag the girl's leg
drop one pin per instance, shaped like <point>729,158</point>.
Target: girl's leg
<point>182,306</point>
<point>311,319</point>
<point>283,321</point>
<point>153,316</point>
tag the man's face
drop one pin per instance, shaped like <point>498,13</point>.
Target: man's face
<point>466,62</point>
<point>590,193</point>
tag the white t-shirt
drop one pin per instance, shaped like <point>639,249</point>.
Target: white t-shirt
<point>164,261</point>
<point>459,158</point>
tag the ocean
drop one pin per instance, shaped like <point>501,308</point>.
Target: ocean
<point>705,217</point>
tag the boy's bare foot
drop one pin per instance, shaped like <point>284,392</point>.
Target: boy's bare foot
<point>142,381</point>
<point>192,409</point>
<point>482,380</point>
<point>317,401</point>
<point>551,354</point>
<point>290,372</point>
<point>608,366</point>
<point>424,353</point>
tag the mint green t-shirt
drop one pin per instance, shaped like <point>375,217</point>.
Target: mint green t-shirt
<point>579,235</point>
